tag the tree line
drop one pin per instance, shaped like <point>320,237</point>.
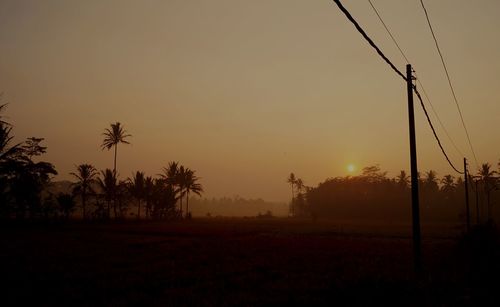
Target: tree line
<point>373,194</point>
<point>25,184</point>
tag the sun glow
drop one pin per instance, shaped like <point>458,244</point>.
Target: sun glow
<point>351,168</point>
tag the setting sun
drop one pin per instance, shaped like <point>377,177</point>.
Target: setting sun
<point>351,168</point>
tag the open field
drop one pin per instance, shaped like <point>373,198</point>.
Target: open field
<point>231,262</point>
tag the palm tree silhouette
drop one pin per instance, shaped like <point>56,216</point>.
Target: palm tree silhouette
<point>181,183</point>
<point>148,194</point>
<point>448,183</point>
<point>108,187</point>
<point>191,185</point>
<point>403,179</point>
<point>112,137</point>
<point>137,187</point>
<point>489,183</point>
<point>7,151</point>
<point>86,175</point>
<point>171,175</point>
<point>292,181</point>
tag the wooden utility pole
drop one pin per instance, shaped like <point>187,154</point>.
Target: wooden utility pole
<point>466,182</point>
<point>415,207</point>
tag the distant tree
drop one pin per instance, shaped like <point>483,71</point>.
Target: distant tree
<point>112,137</point>
<point>403,180</point>
<point>300,185</point>
<point>173,175</point>
<point>163,200</point>
<point>66,204</point>
<point>107,183</point>
<point>431,181</point>
<point>86,175</point>
<point>181,184</point>
<point>191,185</point>
<point>489,183</point>
<point>448,184</point>
<point>292,181</point>
<point>373,174</point>
<point>137,188</point>
<point>32,147</point>
<point>148,194</point>
<point>121,199</point>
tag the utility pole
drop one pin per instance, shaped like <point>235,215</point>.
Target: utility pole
<point>415,209</point>
<point>466,182</point>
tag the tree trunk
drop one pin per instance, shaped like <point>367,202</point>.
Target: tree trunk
<point>187,203</point>
<point>114,164</point>
<point>181,204</point>
<point>489,205</point>
<point>139,210</point>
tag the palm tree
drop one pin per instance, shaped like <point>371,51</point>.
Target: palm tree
<point>448,183</point>
<point>170,173</point>
<point>489,184</point>
<point>181,183</point>
<point>86,175</point>
<point>66,204</point>
<point>137,189</point>
<point>191,185</point>
<point>403,179</point>
<point>430,181</point>
<point>292,181</point>
<point>7,151</point>
<point>112,137</point>
<point>172,176</point>
<point>108,184</point>
<point>148,194</point>
<point>300,185</point>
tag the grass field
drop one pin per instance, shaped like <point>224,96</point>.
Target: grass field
<point>233,262</point>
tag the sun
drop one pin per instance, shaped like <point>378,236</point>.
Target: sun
<point>351,168</point>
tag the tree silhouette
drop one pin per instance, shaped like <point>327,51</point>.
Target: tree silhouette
<point>66,204</point>
<point>292,181</point>
<point>191,185</point>
<point>137,188</point>
<point>172,176</point>
<point>32,147</point>
<point>489,183</point>
<point>448,184</point>
<point>181,184</point>
<point>403,179</point>
<point>86,176</point>
<point>148,194</point>
<point>6,150</point>
<point>107,184</point>
<point>112,137</point>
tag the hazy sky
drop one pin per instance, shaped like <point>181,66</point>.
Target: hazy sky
<point>245,92</point>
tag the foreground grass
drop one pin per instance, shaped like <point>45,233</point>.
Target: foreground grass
<point>232,262</point>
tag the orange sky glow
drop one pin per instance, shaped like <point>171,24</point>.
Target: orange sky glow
<point>245,92</point>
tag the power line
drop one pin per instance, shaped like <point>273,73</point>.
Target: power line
<point>388,31</point>
<point>434,131</point>
<point>437,116</point>
<point>370,41</point>
<point>449,82</point>
<point>367,38</point>
<point>418,79</point>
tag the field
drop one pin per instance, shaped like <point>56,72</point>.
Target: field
<point>233,262</point>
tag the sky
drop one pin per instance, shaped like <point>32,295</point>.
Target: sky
<point>245,92</point>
